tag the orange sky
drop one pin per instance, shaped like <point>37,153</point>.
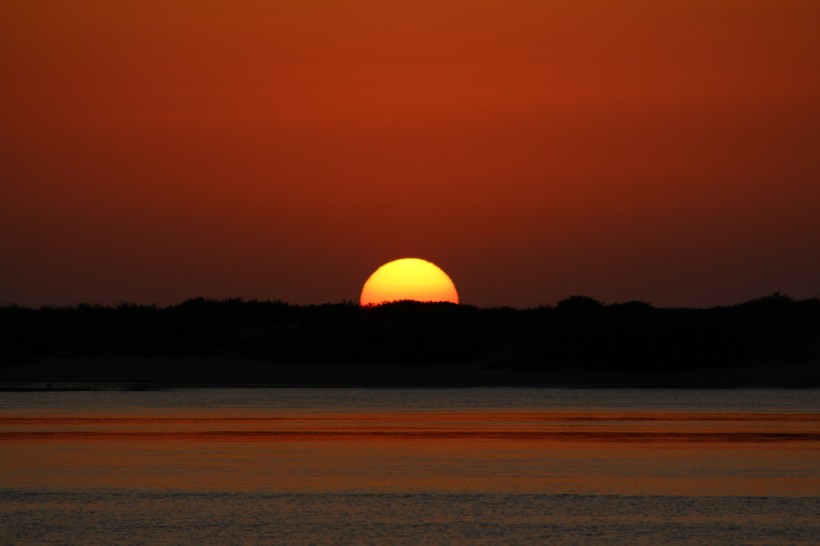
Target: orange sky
<point>152,151</point>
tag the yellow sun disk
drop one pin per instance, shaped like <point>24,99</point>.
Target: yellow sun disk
<point>408,279</point>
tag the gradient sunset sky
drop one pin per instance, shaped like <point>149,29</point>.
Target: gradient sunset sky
<point>153,151</point>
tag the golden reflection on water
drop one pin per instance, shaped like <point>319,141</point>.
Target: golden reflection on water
<point>594,452</point>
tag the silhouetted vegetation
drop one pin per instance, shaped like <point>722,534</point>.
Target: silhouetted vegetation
<point>578,333</point>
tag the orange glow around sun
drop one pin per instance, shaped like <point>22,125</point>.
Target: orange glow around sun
<point>408,279</point>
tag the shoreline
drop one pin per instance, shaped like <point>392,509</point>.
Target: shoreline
<point>156,373</point>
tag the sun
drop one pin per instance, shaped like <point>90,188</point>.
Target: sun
<point>408,279</point>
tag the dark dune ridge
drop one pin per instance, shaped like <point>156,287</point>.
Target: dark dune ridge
<point>772,341</point>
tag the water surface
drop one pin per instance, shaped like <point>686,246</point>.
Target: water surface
<point>409,466</point>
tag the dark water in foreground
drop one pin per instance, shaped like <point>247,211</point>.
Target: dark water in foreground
<point>410,466</point>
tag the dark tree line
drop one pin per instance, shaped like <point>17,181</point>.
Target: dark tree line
<point>578,332</point>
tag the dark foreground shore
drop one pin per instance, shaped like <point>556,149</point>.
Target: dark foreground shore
<point>772,341</point>
<point>156,373</point>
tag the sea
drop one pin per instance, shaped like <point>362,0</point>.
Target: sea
<point>293,466</point>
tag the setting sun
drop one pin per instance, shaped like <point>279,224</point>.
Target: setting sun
<point>408,279</point>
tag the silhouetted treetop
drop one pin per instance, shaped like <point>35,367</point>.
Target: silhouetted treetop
<point>578,332</point>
